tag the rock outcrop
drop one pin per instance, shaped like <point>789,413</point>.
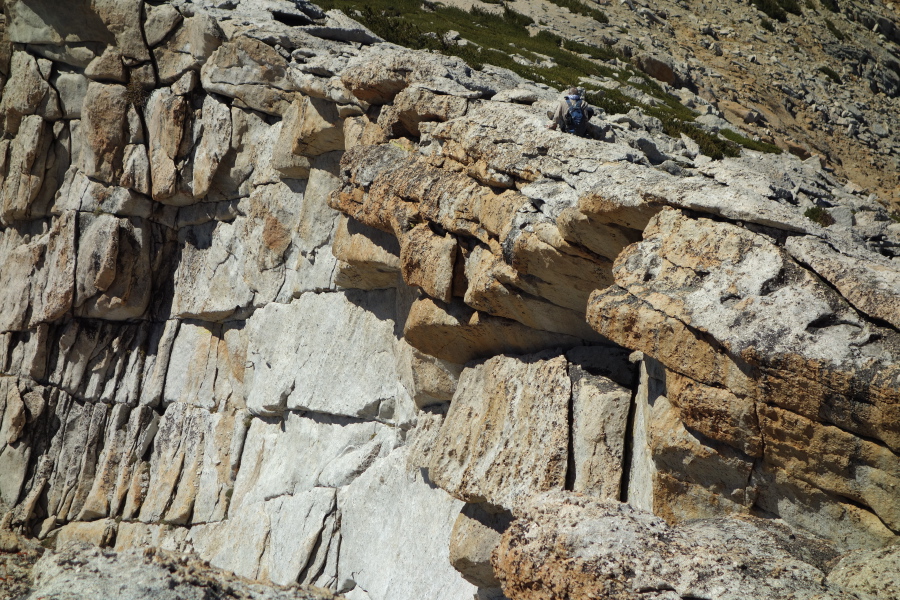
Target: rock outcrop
<point>319,309</point>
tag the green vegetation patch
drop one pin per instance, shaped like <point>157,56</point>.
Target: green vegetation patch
<point>778,9</point>
<point>831,74</point>
<point>819,215</point>
<point>834,30</point>
<point>767,25</point>
<point>750,143</point>
<point>496,36</point>
<point>831,5</point>
<point>580,8</point>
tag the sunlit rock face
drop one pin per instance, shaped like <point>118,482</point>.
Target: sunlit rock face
<point>324,310</point>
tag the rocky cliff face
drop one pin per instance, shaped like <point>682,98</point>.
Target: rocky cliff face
<point>322,309</point>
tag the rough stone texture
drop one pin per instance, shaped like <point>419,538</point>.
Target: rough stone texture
<point>489,450</point>
<point>240,296</point>
<point>406,532</point>
<point>731,310</point>
<point>78,571</point>
<point>288,370</point>
<point>869,573</point>
<point>565,546</point>
<point>476,533</point>
<point>104,122</point>
<point>600,408</point>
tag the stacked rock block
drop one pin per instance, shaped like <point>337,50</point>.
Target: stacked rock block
<point>321,309</point>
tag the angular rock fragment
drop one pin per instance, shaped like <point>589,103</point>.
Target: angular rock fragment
<point>490,447</point>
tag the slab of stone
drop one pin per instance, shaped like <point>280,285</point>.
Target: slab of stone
<point>287,371</point>
<point>413,532</point>
<point>506,435</point>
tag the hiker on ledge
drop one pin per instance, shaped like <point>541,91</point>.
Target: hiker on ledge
<point>572,114</point>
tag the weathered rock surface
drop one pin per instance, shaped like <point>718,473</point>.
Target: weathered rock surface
<point>747,334</point>
<point>565,546</point>
<point>285,296</point>
<point>78,571</point>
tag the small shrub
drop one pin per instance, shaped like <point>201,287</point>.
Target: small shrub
<point>135,94</point>
<point>580,8</point>
<point>767,25</point>
<point>831,74</point>
<point>819,215</point>
<point>834,30</point>
<point>749,143</point>
<point>831,5</point>
<point>791,6</point>
<point>772,8</point>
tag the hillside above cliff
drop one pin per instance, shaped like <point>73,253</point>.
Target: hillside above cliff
<point>811,77</point>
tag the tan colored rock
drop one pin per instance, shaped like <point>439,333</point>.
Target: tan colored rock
<point>875,573</point>
<point>369,257</point>
<point>189,48</point>
<point>456,333</point>
<point>716,413</point>
<point>130,434</point>
<point>427,260</point>
<point>166,115</point>
<point>215,142</point>
<point>867,281</point>
<point>96,533</point>
<point>26,162</point>
<point>757,348</point>
<point>107,67</point>
<point>833,460</point>
<point>377,76</point>
<point>496,288</point>
<point>476,533</point>
<point>114,278</point>
<point>27,93</point>
<point>417,104</point>
<point>803,333</point>
<point>312,126</point>
<point>136,169</point>
<point>104,124</point>
<point>251,71</point>
<point>564,545</point>
<point>600,408</point>
<point>161,21</point>
<point>487,449</point>
<point>428,380</point>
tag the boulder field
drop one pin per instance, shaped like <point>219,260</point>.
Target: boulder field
<point>319,309</point>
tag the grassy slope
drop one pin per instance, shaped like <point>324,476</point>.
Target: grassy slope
<point>496,37</point>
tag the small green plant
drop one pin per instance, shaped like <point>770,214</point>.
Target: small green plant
<point>791,6</point>
<point>778,9</point>
<point>819,215</point>
<point>895,216</point>
<point>767,25</point>
<point>750,143</point>
<point>834,30</point>
<point>831,5</point>
<point>831,74</point>
<point>771,8</point>
<point>580,8</point>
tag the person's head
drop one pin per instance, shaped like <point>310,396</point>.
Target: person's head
<point>573,91</point>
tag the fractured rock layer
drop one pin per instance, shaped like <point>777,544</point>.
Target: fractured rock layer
<point>302,303</point>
